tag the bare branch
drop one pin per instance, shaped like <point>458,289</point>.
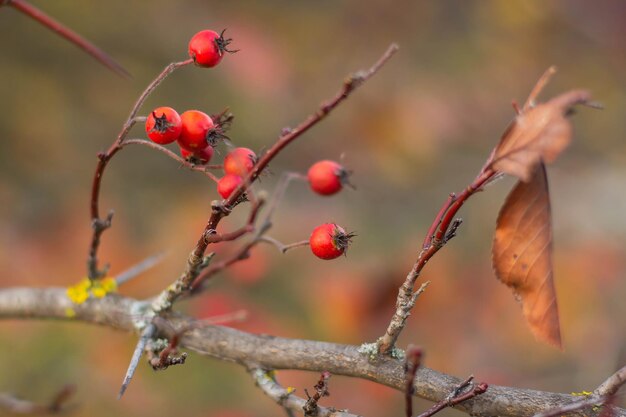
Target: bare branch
<point>538,88</point>
<point>12,404</point>
<point>458,396</point>
<point>613,383</point>
<point>311,408</point>
<point>286,398</point>
<point>269,352</point>
<point>579,404</point>
<point>193,167</point>
<point>412,364</point>
<point>100,225</point>
<point>189,277</point>
<point>52,24</point>
<point>283,248</point>
<point>440,232</point>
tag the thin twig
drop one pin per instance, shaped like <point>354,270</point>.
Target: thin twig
<point>612,383</point>
<point>439,233</point>
<point>177,158</point>
<point>279,191</point>
<point>216,267</point>
<point>538,88</point>
<point>286,398</point>
<point>138,269</point>
<point>99,225</point>
<point>442,229</point>
<point>602,396</point>
<point>52,24</point>
<point>577,405</point>
<point>281,246</point>
<point>411,365</point>
<point>14,405</point>
<point>457,396</point>
<point>435,224</point>
<point>321,390</point>
<point>161,357</point>
<point>214,237</point>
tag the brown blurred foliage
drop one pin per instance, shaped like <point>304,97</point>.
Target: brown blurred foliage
<point>419,130</point>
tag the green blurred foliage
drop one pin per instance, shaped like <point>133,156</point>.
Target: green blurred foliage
<point>418,130</point>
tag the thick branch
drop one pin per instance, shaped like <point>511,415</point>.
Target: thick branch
<point>270,352</point>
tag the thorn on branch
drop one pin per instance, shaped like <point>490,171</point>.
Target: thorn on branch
<point>451,233</point>
<point>100,225</point>
<point>137,269</point>
<point>146,335</point>
<point>321,390</point>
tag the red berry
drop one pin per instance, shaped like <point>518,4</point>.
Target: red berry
<point>329,241</point>
<point>207,48</point>
<point>239,161</point>
<point>163,125</point>
<point>328,177</point>
<point>198,157</point>
<point>196,127</point>
<point>227,184</point>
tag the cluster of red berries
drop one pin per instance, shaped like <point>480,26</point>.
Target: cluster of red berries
<point>192,130</point>
<point>196,134</point>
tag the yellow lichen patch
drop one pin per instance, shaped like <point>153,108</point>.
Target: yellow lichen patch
<point>109,284</point>
<point>290,390</point>
<point>80,292</point>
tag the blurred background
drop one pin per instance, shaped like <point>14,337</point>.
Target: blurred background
<point>417,131</point>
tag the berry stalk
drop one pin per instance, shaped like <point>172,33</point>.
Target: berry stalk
<point>100,225</point>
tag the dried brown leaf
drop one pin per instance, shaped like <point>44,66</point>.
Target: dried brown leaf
<point>538,134</point>
<point>522,254</point>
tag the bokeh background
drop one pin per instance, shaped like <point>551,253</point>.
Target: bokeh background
<point>417,131</point>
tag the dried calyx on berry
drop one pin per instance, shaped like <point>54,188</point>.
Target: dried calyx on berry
<point>329,241</point>
<point>207,48</point>
<point>328,177</point>
<point>342,239</point>
<point>222,44</point>
<point>163,125</point>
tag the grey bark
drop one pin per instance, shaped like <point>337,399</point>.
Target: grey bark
<point>270,352</point>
